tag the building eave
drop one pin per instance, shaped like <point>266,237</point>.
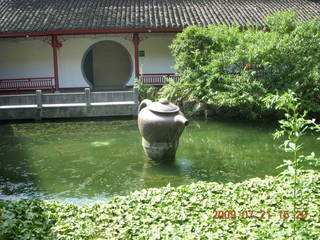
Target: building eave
<point>91,31</point>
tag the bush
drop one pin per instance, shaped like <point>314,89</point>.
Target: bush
<point>185,212</point>
<point>145,91</point>
<point>175,92</point>
<point>293,127</point>
<point>228,67</point>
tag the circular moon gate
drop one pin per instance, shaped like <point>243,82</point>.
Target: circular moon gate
<point>107,65</point>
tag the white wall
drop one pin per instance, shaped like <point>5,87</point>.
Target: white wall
<point>72,52</point>
<point>22,58</point>
<point>158,57</point>
<point>32,57</point>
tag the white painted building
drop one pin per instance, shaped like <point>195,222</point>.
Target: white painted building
<point>104,44</point>
<point>100,61</point>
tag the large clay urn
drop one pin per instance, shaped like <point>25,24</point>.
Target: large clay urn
<point>161,124</point>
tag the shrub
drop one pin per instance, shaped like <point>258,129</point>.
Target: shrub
<point>293,127</point>
<point>282,22</point>
<point>175,92</point>
<point>228,67</point>
<point>145,91</point>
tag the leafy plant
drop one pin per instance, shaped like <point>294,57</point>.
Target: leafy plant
<point>228,67</point>
<point>172,90</point>
<point>294,127</point>
<point>175,92</point>
<point>282,22</point>
<point>181,213</point>
<point>145,91</point>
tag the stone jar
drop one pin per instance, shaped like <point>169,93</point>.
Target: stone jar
<point>160,124</point>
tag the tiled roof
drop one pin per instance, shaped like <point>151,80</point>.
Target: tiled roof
<point>54,15</point>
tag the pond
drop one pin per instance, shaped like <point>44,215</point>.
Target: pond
<point>83,161</point>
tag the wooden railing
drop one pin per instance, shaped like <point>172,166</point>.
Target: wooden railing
<point>158,79</point>
<point>17,84</point>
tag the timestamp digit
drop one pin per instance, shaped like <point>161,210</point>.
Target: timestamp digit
<point>215,215</point>
<point>222,214</point>
<point>301,214</point>
<point>265,214</point>
<point>233,214</point>
<point>284,214</point>
<point>247,214</point>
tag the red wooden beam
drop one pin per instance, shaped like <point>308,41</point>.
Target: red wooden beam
<point>136,41</point>
<point>17,79</point>
<point>152,74</point>
<point>92,31</point>
<point>55,44</point>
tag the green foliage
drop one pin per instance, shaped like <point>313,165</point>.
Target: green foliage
<point>184,213</point>
<point>294,126</point>
<point>26,220</point>
<point>227,67</point>
<point>175,92</point>
<point>282,22</point>
<point>145,91</point>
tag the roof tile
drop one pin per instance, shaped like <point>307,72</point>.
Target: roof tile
<point>49,15</point>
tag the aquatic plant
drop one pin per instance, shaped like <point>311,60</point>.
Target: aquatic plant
<point>253,209</point>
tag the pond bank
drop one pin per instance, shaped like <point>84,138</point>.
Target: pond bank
<point>68,105</point>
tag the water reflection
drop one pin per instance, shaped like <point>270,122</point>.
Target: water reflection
<point>90,160</point>
<point>160,171</point>
<point>16,177</point>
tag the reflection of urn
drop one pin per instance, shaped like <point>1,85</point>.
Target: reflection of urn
<point>160,124</point>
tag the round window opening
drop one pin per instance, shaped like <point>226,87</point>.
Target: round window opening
<point>107,65</point>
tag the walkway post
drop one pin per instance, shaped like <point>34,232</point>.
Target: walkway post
<point>87,96</point>
<point>39,105</point>
<point>39,99</point>
<point>136,41</point>
<point>55,45</point>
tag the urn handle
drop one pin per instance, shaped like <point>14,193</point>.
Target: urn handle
<point>144,103</point>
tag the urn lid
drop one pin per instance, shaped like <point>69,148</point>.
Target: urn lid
<point>163,106</point>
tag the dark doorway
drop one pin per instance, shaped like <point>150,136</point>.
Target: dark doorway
<point>107,65</point>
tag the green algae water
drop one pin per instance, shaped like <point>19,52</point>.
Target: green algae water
<point>95,160</point>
